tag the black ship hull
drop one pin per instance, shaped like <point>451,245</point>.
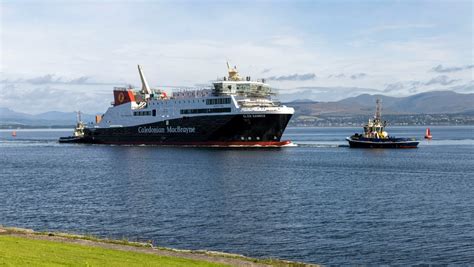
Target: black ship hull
<point>218,130</point>
<point>71,139</point>
<point>382,143</point>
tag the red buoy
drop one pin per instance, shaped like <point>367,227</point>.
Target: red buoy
<point>428,134</point>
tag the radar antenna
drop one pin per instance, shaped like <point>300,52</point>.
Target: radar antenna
<point>145,88</point>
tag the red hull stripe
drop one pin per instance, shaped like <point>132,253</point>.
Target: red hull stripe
<point>211,143</point>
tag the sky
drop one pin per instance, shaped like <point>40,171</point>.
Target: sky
<point>68,55</point>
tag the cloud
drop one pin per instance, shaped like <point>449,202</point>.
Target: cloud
<point>339,76</point>
<point>441,80</point>
<point>294,77</point>
<point>464,88</point>
<point>442,69</point>
<point>414,86</point>
<point>53,79</point>
<point>354,76</point>
<point>396,27</point>
<point>394,87</point>
<point>410,86</point>
<point>35,98</point>
<point>336,88</point>
<point>358,76</point>
<point>322,93</point>
<point>48,78</point>
<point>80,80</point>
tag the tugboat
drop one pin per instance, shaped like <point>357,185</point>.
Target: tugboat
<point>78,134</point>
<point>375,136</point>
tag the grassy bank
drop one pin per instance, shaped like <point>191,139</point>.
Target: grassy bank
<point>24,247</point>
<point>22,251</point>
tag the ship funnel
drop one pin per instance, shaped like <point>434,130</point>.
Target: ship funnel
<point>145,87</point>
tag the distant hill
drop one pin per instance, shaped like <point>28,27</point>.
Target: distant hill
<point>6,113</point>
<point>435,102</point>
<point>302,101</point>
<point>320,94</point>
<point>307,112</point>
<point>51,118</point>
<point>431,108</point>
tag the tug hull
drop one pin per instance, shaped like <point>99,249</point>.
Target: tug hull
<point>382,143</point>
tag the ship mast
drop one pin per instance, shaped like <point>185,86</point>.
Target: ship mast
<point>78,115</point>
<point>145,88</point>
<point>378,110</point>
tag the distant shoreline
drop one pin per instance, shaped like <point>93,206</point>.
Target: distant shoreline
<point>71,128</point>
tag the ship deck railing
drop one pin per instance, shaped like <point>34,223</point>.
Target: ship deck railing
<point>191,93</point>
<point>225,79</point>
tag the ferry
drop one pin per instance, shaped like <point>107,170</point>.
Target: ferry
<point>235,111</point>
<point>375,136</point>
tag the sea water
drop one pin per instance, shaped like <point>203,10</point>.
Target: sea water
<point>319,202</point>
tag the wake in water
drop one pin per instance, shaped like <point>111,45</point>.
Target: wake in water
<point>318,144</point>
<point>4,142</point>
<point>28,142</point>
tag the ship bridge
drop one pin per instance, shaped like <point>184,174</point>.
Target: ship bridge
<point>234,84</point>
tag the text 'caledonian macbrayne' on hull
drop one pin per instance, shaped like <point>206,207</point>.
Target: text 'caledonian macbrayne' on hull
<point>235,112</point>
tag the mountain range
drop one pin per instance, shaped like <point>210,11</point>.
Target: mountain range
<point>434,102</point>
<point>49,119</point>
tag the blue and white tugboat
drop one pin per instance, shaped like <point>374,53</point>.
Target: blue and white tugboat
<point>375,136</point>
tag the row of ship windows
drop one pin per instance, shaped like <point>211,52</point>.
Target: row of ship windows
<point>185,111</point>
<point>204,110</point>
<point>144,113</point>
<point>216,101</point>
<point>179,102</point>
<point>213,101</point>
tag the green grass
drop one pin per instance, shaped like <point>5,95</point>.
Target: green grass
<point>18,251</point>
